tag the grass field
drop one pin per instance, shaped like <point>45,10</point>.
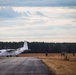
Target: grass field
<point>56,63</point>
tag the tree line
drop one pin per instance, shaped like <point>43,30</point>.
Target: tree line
<point>41,47</point>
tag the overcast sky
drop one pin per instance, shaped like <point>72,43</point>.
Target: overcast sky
<point>38,20</point>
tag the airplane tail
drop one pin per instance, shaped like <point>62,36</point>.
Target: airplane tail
<point>25,46</point>
<point>22,49</point>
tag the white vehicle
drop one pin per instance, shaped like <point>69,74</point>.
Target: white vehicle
<point>14,52</point>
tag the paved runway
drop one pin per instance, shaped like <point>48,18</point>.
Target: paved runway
<point>22,66</point>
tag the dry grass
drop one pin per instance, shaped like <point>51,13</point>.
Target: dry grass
<point>57,64</point>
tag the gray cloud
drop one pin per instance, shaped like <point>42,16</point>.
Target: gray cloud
<point>8,12</point>
<point>40,13</point>
<point>38,3</point>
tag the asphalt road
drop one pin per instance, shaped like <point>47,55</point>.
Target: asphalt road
<point>22,66</point>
